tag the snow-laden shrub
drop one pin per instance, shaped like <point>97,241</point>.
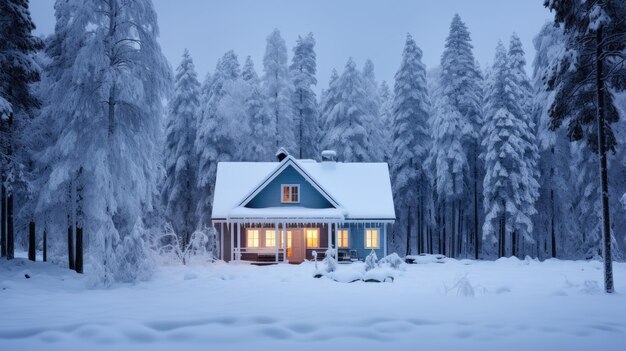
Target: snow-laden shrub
<point>462,286</point>
<point>201,247</point>
<point>134,259</point>
<point>393,261</point>
<point>330,262</point>
<point>371,261</point>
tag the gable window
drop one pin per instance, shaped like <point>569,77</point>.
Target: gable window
<point>312,237</point>
<point>290,193</point>
<point>270,238</point>
<point>252,237</point>
<point>371,239</point>
<point>342,238</point>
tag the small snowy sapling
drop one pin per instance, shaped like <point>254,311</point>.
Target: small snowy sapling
<point>330,263</point>
<point>371,261</point>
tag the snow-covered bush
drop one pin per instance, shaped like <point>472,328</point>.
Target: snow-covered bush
<point>462,286</point>
<point>371,261</point>
<point>201,247</point>
<point>330,262</point>
<point>393,260</point>
<point>134,259</point>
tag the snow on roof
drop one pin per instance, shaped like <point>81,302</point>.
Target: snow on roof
<point>362,189</point>
<point>287,212</point>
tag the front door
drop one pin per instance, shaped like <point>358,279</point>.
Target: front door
<point>295,245</point>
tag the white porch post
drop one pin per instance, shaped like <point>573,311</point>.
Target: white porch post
<point>330,224</point>
<point>276,240</point>
<point>284,242</point>
<point>336,242</point>
<point>385,239</point>
<point>221,254</point>
<point>238,241</point>
<point>232,241</point>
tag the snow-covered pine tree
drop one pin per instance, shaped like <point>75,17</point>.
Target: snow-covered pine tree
<point>594,64</point>
<point>554,205</point>
<point>215,133</point>
<point>303,68</point>
<point>328,101</point>
<point>18,70</point>
<point>179,187</point>
<point>385,116</point>
<point>347,123</point>
<point>509,184</point>
<point>517,69</point>
<point>107,87</point>
<point>260,147</point>
<point>279,91</point>
<point>375,125</point>
<point>411,108</point>
<point>459,89</point>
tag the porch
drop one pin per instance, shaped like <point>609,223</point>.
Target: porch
<point>272,241</point>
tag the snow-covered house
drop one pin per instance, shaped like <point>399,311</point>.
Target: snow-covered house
<point>283,211</point>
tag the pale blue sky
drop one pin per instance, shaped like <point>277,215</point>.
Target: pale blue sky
<point>361,29</point>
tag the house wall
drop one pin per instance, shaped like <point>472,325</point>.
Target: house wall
<point>270,196</point>
<point>356,238</point>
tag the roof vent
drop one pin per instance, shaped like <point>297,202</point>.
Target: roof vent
<point>281,154</point>
<point>329,156</point>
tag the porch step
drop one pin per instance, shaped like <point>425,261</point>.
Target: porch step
<point>269,257</point>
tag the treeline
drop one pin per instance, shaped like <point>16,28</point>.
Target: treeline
<point>485,162</point>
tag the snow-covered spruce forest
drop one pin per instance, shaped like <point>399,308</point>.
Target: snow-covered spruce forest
<point>108,149</point>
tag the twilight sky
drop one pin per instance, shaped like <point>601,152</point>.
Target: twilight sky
<point>358,28</point>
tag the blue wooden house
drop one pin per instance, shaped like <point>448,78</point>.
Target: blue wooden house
<point>283,211</point>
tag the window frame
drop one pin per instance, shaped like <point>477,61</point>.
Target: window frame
<point>291,187</point>
<point>306,238</point>
<point>340,242</point>
<point>377,238</point>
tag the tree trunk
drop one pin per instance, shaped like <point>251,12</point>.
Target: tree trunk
<point>475,205</point>
<point>3,215</point>
<point>443,227</point>
<point>32,244</point>
<point>606,221</point>
<point>10,236</point>
<point>79,222</point>
<point>460,229</point>
<point>45,244</point>
<point>408,231</point>
<point>70,229</point>
<point>552,229</point>
<point>79,249</point>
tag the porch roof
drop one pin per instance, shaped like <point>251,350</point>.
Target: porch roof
<point>286,213</point>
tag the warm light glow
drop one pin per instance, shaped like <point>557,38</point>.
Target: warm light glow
<point>290,193</point>
<point>289,239</point>
<point>342,238</point>
<point>371,238</point>
<point>286,194</point>
<point>312,238</point>
<point>270,238</point>
<point>252,237</point>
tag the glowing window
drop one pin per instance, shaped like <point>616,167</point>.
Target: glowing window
<point>289,239</point>
<point>252,237</point>
<point>312,238</point>
<point>342,238</point>
<point>290,193</point>
<point>270,238</point>
<point>371,238</point>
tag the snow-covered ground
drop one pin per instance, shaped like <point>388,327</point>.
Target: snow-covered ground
<point>511,304</point>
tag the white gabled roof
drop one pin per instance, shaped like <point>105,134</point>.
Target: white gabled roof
<point>363,190</point>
